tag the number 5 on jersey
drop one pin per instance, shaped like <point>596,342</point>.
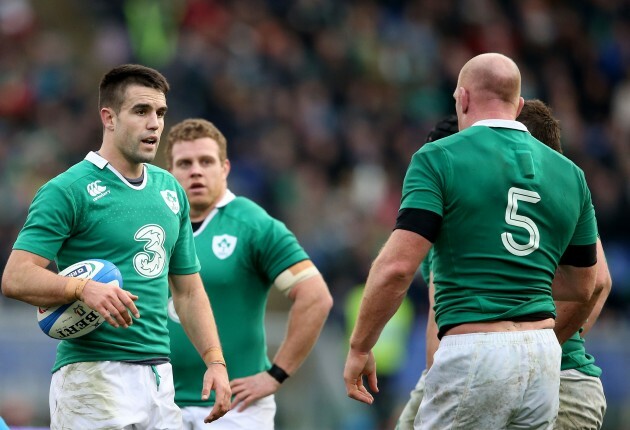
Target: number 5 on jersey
<point>512,218</point>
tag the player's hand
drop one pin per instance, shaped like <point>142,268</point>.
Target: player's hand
<point>112,302</point>
<point>216,378</point>
<point>247,390</point>
<point>359,364</point>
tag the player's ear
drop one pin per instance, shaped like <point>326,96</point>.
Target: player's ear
<point>226,167</point>
<point>464,99</point>
<point>521,103</point>
<point>107,118</point>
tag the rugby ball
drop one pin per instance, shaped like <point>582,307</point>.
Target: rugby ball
<point>76,319</point>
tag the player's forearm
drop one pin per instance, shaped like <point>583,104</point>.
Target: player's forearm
<point>193,307</point>
<point>594,315</point>
<point>384,292</point>
<point>386,286</point>
<point>306,320</point>
<point>26,278</point>
<point>199,324</point>
<point>603,283</point>
<point>574,284</point>
<point>571,316</point>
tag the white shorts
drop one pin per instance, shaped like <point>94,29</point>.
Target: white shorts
<point>259,415</point>
<point>504,380</point>
<point>410,411</point>
<point>582,401</point>
<point>113,395</point>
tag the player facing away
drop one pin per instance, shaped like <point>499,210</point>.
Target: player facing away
<point>243,253</point>
<point>502,212</point>
<point>116,206</point>
<point>582,400</point>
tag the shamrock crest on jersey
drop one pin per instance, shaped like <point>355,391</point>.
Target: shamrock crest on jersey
<point>223,246</point>
<point>170,198</point>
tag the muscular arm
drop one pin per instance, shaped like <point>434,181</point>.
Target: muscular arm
<point>603,282</point>
<point>574,314</point>
<point>311,304</point>
<point>26,279</point>
<point>195,314</point>
<point>574,284</point>
<point>386,286</point>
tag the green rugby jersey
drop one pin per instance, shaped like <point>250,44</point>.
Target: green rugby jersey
<point>242,250</point>
<point>574,354</point>
<point>91,211</point>
<point>510,206</point>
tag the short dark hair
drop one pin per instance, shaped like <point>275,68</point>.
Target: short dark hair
<point>192,129</point>
<point>443,128</point>
<point>539,120</point>
<point>115,82</point>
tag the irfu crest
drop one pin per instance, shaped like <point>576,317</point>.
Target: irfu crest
<point>170,197</point>
<point>223,246</point>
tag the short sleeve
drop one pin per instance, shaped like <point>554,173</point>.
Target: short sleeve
<point>425,181</point>
<point>49,223</point>
<point>586,229</point>
<point>277,248</point>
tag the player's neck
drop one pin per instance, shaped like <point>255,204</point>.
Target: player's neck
<point>201,212</point>
<point>198,214</point>
<point>125,167</point>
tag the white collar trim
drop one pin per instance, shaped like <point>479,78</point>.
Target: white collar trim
<point>501,123</point>
<point>101,163</point>
<point>96,159</point>
<point>227,198</point>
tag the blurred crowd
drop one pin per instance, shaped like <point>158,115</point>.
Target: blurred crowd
<point>323,102</point>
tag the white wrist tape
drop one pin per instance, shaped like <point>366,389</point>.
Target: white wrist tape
<point>294,275</point>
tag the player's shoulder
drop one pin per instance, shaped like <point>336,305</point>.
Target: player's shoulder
<point>164,176</point>
<point>250,216</point>
<point>157,171</point>
<point>557,159</point>
<point>72,175</point>
<point>445,143</point>
<point>438,151</point>
<point>246,210</point>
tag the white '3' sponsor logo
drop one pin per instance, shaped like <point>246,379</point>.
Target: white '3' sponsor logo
<point>151,261</point>
<point>95,189</point>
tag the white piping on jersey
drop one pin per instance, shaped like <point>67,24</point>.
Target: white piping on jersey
<point>101,163</point>
<point>227,198</point>
<point>501,123</point>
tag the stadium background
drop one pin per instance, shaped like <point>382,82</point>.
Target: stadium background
<point>323,102</point>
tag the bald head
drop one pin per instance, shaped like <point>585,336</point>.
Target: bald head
<point>490,85</point>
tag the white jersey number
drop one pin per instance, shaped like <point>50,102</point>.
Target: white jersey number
<point>512,218</point>
<point>151,262</point>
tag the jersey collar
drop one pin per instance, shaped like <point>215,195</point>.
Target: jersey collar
<point>101,163</point>
<point>501,123</point>
<point>96,159</point>
<point>227,198</point>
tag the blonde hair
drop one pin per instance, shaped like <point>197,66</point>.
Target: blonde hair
<point>191,129</point>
